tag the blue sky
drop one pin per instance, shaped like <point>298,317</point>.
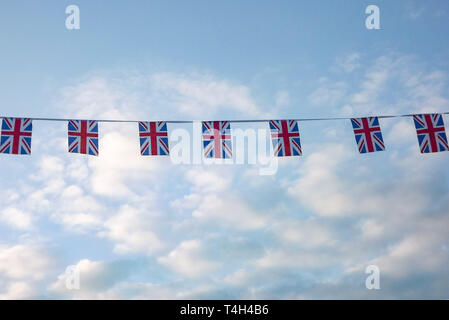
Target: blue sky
<point>146,228</point>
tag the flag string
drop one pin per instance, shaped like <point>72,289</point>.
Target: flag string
<point>235,120</point>
<point>83,135</point>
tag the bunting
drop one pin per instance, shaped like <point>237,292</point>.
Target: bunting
<point>153,138</point>
<point>431,133</point>
<point>285,138</point>
<point>16,136</point>
<point>83,135</point>
<point>217,139</point>
<point>367,134</point>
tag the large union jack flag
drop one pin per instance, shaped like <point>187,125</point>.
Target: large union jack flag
<point>367,134</point>
<point>16,136</point>
<point>431,133</point>
<point>83,137</point>
<point>153,138</point>
<point>217,139</point>
<point>285,138</point>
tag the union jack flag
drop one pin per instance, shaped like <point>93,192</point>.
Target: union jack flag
<point>367,134</point>
<point>285,138</point>
<point>217,139</point>
<point>153,138</point>
<point>16,136</point>
<point>83,137</point>
<point>431,133</point>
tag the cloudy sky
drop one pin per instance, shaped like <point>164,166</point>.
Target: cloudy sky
<point>139,227</point>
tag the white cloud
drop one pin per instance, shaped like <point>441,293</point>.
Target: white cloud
<point>417,250</point>
<point>23,267</point>
<point>372,228</point>
<point>76,210</point>
<point>208,180</point>
<point>24,261</point>
<point>212,199</point>
<point>374,83</point>
<point>16,218</point>
<point>312,233</point>
<point>402,132</point>
<point>99,97</point>
<point>187,260</point>
<point>96,280</point>
<point>120,165</point>
<point>18,290</point>
<point>350,62</point>
<point>428,93</point>
<point>229,210</point>
<point>328,93</point>
<point>237,278</point>
<point>111,280</point>
<point>320,182</point>
<point>395,84</point>
<point>324,188</point>
<point>283,258</point>
<point>195,94</point>
<point>133,231</point>
<point>49,166</point>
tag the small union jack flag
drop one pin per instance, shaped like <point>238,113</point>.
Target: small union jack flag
<point>16,136</point>
<point>285,138</point>
<point>153,138</point>
<point>83,137</point>
<point>217,139</point>
<point>367,134</point>
<point>431,132</point>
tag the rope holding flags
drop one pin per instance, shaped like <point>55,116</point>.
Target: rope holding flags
<point>83,135</point>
